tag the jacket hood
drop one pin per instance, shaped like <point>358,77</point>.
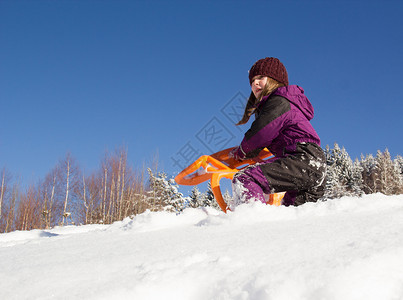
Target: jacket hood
<point>295,94</point>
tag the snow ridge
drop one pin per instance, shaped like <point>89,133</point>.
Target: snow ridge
<point>347,248</point>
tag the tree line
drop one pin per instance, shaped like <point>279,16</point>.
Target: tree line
<point>367,175</point>
<point>115,191</point>
<point>69,196</point>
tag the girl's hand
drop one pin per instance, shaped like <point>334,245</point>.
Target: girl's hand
<point>237,154</point>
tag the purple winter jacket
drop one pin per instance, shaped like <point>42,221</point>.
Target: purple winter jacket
<point>282,121</point>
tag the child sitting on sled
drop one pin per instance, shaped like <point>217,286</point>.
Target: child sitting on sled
<point>282,124</point>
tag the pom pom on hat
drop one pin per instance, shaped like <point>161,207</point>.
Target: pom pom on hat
<point>270,67</point>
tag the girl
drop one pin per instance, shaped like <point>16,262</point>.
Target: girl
<point>282,125</point>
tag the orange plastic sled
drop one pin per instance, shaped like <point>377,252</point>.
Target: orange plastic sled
<point>217,166</point>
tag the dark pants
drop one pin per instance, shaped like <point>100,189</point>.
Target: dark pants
<point>300,173</point>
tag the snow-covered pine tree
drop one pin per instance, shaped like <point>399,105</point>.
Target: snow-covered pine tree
<point>343,177</point>
<point>398,161</point>
<point>163,193</point>
<point>154,192</point>
<point>195,198</point>
<point>398,164</point>
<point>208,196</point>
<point>387,175</point>
<point>209,199</point>
<point>227,197</point>
<point>333,188</point>
<point>356,176</point>
<point>175,198</point>
<point>368,164</point>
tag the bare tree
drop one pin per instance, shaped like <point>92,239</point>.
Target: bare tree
<point>28,212</point>
<point>85,201</point>
<point>112,193</point>
<point>68,184</point>
<point>50,188</point>
<point>5,197</point>
<point>2,189</point>
<point>65,213</point>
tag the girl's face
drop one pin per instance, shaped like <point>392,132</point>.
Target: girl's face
<point>258,83</point>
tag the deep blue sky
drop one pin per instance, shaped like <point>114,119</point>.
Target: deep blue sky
<point>163,76</point>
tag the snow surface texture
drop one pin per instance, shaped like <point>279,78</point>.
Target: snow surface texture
<point>348,248</point>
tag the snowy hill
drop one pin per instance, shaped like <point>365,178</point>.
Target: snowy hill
<point>348,248</point>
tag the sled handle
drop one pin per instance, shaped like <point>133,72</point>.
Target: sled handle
<point>220,165</point>
<point>215,187</point>
<point>202,170</point>
<point>274,199</point>
<point>224,157</point>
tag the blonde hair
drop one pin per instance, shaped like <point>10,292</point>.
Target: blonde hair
<point>270,87</point>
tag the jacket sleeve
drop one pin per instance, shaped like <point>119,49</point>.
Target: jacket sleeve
<point>267,125</point>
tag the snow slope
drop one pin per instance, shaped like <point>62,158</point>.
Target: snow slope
<point>348,248</point>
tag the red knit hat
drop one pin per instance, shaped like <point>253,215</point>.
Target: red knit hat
<point>270,67</point>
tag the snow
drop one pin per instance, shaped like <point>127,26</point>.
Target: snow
<point>348,248</point>
<point>239,194</point>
